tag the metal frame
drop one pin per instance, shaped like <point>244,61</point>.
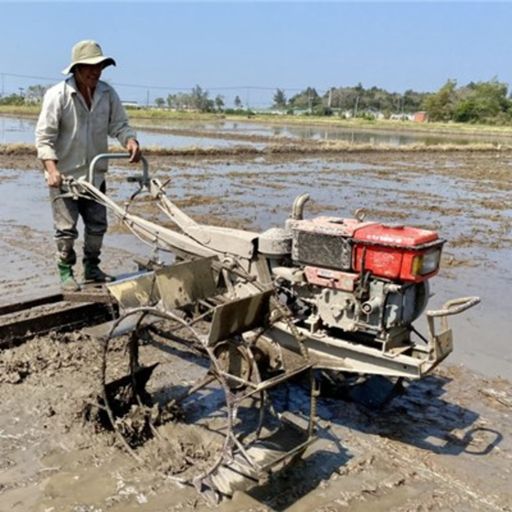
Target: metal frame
<point>230,320</point>
<point>411,359</point>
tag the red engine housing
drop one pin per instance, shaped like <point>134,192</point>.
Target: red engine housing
<point>387,251</point>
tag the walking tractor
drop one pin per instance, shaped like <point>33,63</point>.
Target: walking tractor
<point>326,298</point>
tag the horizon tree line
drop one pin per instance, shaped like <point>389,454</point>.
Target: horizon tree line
<point>483,102</point>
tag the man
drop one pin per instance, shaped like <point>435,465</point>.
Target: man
<point>76,119</point>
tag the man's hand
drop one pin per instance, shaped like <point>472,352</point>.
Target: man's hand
<point>53,175</point>
<point>134,149</point>
<point>54,179</point>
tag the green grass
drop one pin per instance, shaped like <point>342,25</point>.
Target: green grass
<point>156,114</point>
<point>21,110</point>
<point>382,124</point>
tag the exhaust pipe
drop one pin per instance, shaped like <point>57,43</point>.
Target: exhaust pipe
<point>298,206</point>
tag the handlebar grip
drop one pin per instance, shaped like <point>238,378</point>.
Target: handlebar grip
<point>116,156</point>
<point>455,306</point>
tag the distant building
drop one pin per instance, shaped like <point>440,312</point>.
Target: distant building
<point>374,113</point>
<point>131,104</point>
<point>420,117</point>
<point>402,117</point>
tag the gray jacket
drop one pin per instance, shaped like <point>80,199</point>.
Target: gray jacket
<point>68,132</point>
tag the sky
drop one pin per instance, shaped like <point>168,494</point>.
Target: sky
<point>252,48</point>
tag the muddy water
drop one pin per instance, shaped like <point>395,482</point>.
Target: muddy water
<point>14,130</point>
<point>321,133</point>
<point>21,130</point>
<point>474,215</point>
<point>444,445</point>
<point>162,139</point>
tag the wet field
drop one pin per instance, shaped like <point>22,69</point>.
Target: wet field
<point>222,133</point>
<point>464,198</point>
<point>444,445</point>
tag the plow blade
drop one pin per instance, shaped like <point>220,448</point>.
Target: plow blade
<point>174,286</point>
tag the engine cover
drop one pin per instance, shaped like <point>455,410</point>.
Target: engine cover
<point>324,241</point>
<point>398,253</point>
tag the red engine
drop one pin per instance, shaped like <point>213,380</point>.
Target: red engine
<point>393,252</point>
<point>360,276</point>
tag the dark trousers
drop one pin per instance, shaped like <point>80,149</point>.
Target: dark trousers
<point>66,212</point>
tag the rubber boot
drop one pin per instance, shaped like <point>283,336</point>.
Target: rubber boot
<point>94,274</point>
<point>67,279</point>
<point>92,250</point>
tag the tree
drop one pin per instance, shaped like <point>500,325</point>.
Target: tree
<point>159,102</point>
<point>219,102</point>
<point>238,102</point>
<point>483,102</point>
<point>360,101</point>
<point>179,101</point>
<point>306,99</point>
<point>35,93</point>
<point>200,100</point>
<point>440,106</point>
<point>12,99</point>
<point>413,100</point>
<point>279,99</point>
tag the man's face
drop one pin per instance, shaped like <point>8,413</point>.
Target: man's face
<point>88,75</point>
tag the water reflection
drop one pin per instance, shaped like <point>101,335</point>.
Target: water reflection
<point>16,130</point>
<point>322,133</point>
<point>21,130</point>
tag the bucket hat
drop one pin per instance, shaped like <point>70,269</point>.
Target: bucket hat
<point>87,52</point>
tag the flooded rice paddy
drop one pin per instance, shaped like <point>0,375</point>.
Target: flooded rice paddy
<point>456,195</point>
<point>219,134</point>
<point>444,445</point>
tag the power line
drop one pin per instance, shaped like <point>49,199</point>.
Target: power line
<point>32,77</point>
<point>163,87</point>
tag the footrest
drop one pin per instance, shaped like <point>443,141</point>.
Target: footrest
<point>266,455</point>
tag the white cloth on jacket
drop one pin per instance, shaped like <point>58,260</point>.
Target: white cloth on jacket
<point>68,132</point>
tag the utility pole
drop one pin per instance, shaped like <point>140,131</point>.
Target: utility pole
<point>147,98</point>
<point>3,88</point>
<point>356,105</point>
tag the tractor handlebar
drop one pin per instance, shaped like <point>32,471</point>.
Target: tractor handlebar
<point>144,179</point>
<point>455,306</point>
